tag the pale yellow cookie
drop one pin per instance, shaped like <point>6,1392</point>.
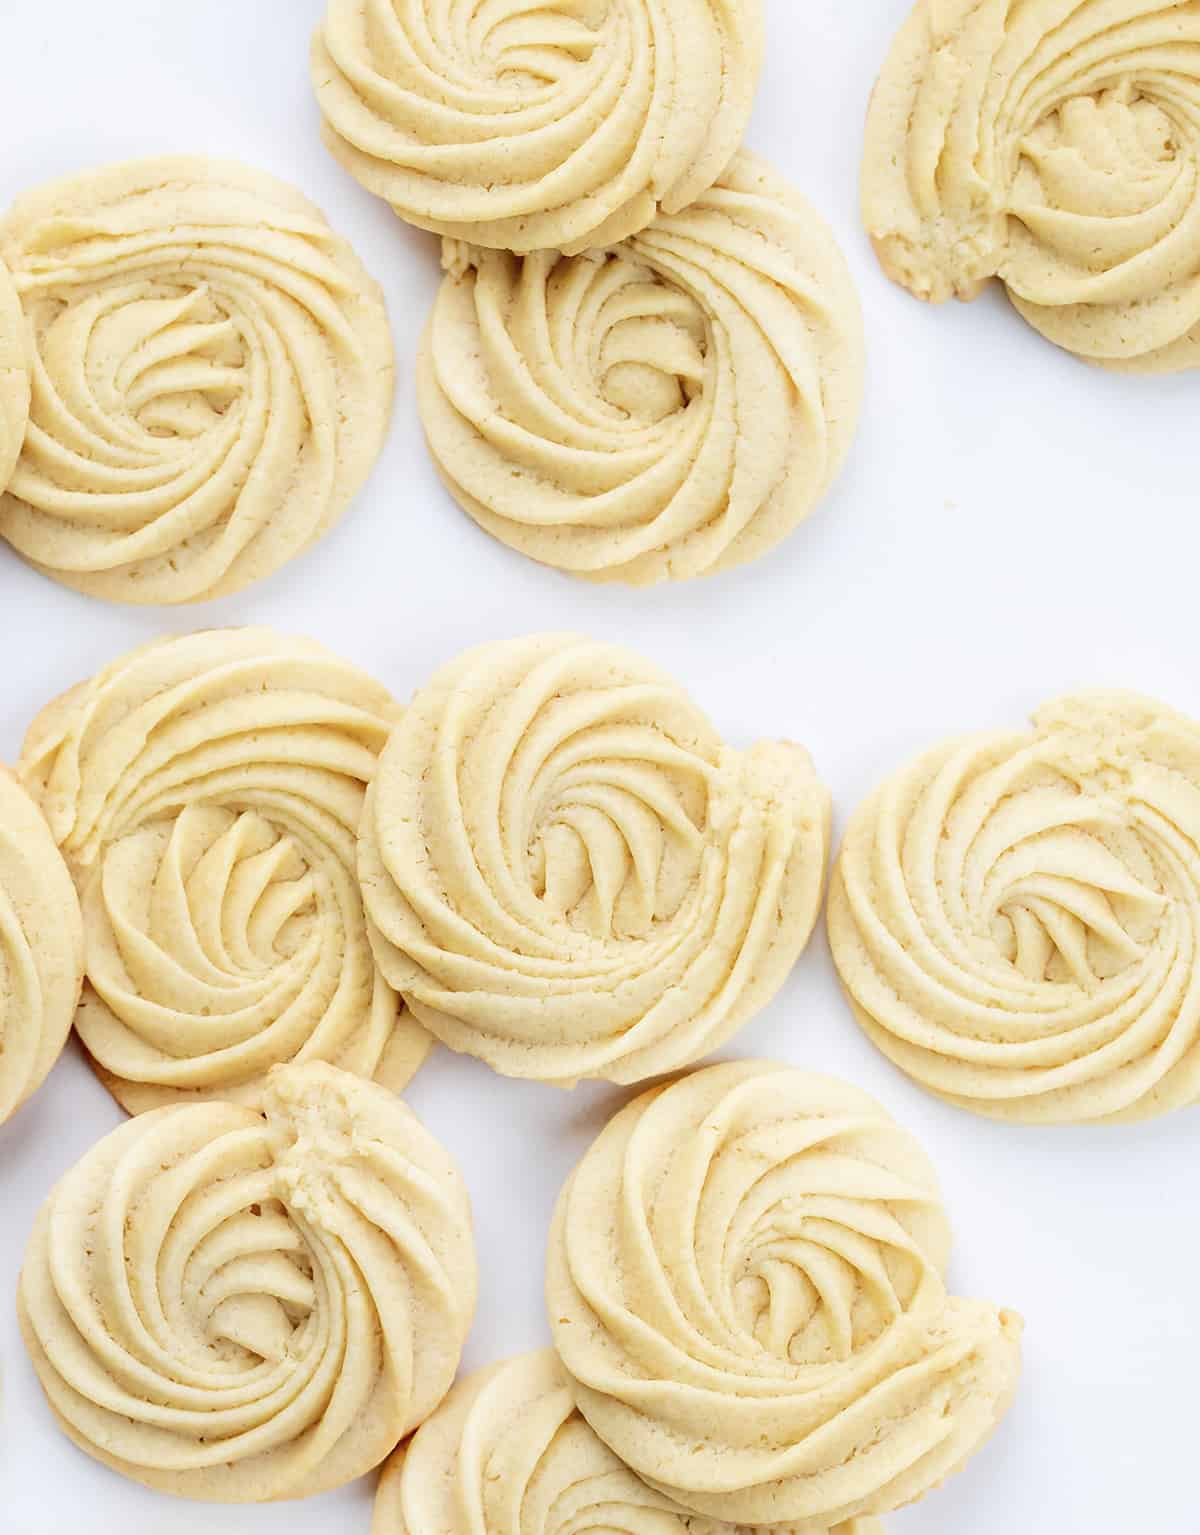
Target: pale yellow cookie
<point>212,378</point>
<point>206,791</point>
<point>41,948</point>
<point>745,1283</point>
<point>569,874</point>
<point>1054,144</point>
<point>14,377</point>
<point>1015,915</point>
<point>668,408</point>
<point>507,1453</point>
<point>526,127</point>
<point>239,1308</point>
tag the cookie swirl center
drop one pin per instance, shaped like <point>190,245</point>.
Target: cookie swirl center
<point>160,359</point>
<point>1116,152</point>
<point>800,1260</point>
<point>1080,906</point>
<point>232,896</point>
<point>616,845</point>
<point>809,1296</point>
<point>255,1290</point>
<point>652,347</point>
<point>520,49</point>
<point>1067,872</point>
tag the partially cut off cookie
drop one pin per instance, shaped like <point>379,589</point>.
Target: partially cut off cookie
<point>14,377</point>
<point>509,1453</point>
<point>213,378</point>
<point>1015,915</point>
<point>41,948</point>
<point>527,127</point>
<point>1054,146</point>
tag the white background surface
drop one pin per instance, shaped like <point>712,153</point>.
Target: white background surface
<point>1011,525</point>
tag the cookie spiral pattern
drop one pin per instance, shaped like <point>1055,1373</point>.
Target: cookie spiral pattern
<point>238,1308</point>
<point>745,1284</point>
<point>507,1453</point>
<point>668,408</point>
<point>1055,145</point>
<point>212,378</point>
<point>14,377</point>
<point>569,875</point>
<point>206,792</point>
<point>41,948</point>
<point>528,128</point>
<point>1015,915</point>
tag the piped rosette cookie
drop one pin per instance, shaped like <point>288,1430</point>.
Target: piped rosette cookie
<point>666,408</point>
<point>746,1285</point>
<point>242,1307</point>
<point>206,792</point>
<point>524,127</point>
<point>569,874</point>
<point>1054,144</point>
<point>212,378</point>
<point>1015,915</point>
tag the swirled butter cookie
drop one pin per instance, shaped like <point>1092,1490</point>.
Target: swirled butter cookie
<point>241,1308</point>
<point>568,874</point>
<point>745,1284</point>
<point>667,408</point>
<point>206,792</point>
<point>508,1453</point>
<point>1015,915</point>
<point>526,127</point>
<point>212,378</point>
<point>41,948</point>
<point>1054,144</point>
<point>14,377</point>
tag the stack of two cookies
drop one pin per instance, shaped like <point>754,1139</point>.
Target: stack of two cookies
<point>745,1285</point>
<point>645,363</point>
<point>196,378</point>
<point>262,1284</point>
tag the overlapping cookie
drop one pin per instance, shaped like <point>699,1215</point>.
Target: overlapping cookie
<point>212,373</point>
<point>239,1308</point>
<point>1054,144</point>
<point>745,1283</point>
<point>667,408</point>
<point>508,1453</point>
<point>206,791</point>
<point>526,127</point>
<point>1015,915</point>
<point>569,874</point>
